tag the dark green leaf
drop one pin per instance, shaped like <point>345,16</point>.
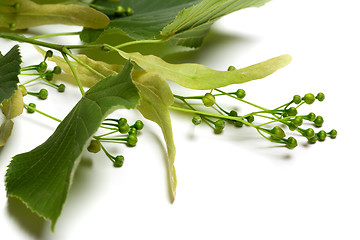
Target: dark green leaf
<point>41,178</point>
<point>9,71</point>
<point>181,22</point>
<point>149,18</point>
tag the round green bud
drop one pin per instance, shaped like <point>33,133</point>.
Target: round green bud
<point>333,133</point>
<point>94,146</point>
<point>43,94</point>
<point>119,161</point>
<point>12,26</point>
<point>309,133</point>
<point>61,88</point>
<point>312,140</point>
<point>132,140</point>
<point>105,48</point>
<point>292,111</point>
<point>318,121</point>
<point>57,70</point>
<point>277,132</point>
<point>41,68</point>
<point>292,126</point>
<point>49,54</point>
<point>250,118</point>
<point>297,99</point>
<point>208,100</point>
<point>23,90</point>
<point>238,124</point>
<point>124,128</point>
<point>233,113</point>
<point>231,68</point>
<point>17,6</point>
<point>129,11</point>
<point>119,10</point>
<point>291,143</point>
<point>240,93</point>
<point>32,107</point>
<point>196,120</point>
<point>133,131</point>
<point>139,125</point>
<point>298,121</point>
<point>219,125</point>
<point>309,98</point>
<point>122,122</point>
<point>311,117</point>
<point>320,96</point>
<point>321,135</point>
<point>49,75</point>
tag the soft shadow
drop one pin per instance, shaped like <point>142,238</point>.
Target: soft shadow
<point>26,219</point>
<point>80,180</point>
<point>215,40</point>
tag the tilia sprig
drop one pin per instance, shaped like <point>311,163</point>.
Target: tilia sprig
<point>285,117</point>
<point>41,177</point>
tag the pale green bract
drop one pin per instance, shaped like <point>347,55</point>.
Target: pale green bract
<point>156,97</point>
<point>31,14</point>
<point>41,178</point>
<point>200,77</point>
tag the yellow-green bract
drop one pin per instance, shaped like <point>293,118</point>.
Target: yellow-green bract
<point>31,14</point>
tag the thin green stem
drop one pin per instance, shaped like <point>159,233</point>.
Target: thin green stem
<point>74,73</point>
<point>42,113</point>
<point>213,115</point>
<point>67,51</point>
<point>111,139</point>
<point>105,134</point>
<point>30,81</point>
<point>107,153</point>
<point>138,42</point>
<point>21,38</point>
<point>54,35</point>
<point>242,100</point>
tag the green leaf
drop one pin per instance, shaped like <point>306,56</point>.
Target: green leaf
<point>191,25</point>
<point>149,18</point>
<point>197,76</point>
<point>32,14</point>
<point>156,96</point>
<point>10,96</point>
<point>9,71</point>
<point>41,178</point>
<point>181,22</point>
<point>5,131</point>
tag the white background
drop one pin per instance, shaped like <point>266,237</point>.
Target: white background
<point>230,186</point>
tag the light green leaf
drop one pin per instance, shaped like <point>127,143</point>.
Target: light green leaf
<point>5,131</point>
<point>9,71</point>
<point>87,77</point>
<point>156,96</point>
<point>41,178</point>
<point>197,76</point>
<point>13,106</point>
<point>191,25</point>
<point>31,14</point>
